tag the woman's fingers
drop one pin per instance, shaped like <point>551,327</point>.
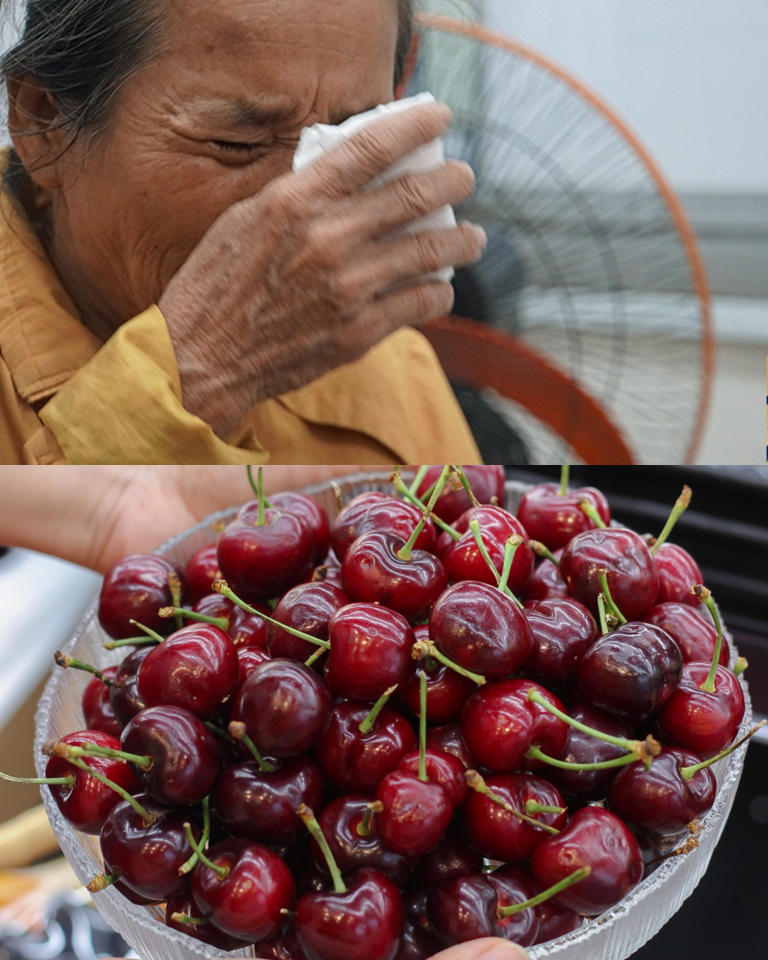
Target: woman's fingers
<point>485,949</point>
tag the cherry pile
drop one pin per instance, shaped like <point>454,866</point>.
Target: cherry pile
<point>426,722</point>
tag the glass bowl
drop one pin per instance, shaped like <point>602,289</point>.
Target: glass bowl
<point>613,936</point>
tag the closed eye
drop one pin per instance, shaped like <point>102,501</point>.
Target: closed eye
<point>235,147</point>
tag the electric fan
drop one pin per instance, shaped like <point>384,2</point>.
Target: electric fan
<point>584,334</point>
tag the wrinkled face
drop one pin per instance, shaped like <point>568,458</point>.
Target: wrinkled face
<point>210,121</point>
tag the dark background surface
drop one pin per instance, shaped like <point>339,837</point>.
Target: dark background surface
<point>726,530</point>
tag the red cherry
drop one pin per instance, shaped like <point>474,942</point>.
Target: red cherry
<point>597,839</point>
<point>379,511</point>
<point>701,721</point>
<point>553,519</point>
<point>135,588</point>
<point>123,694</point>
<point>442,768</point>
<point>249,658</point>
<point>97,708</point>
<point>486,482</point>
<point>185,906</point>
<point>202,569</point>
<point>554,921</point>
<point>313,515</point>
<point>463,559</point>
<point>451,857</point>
<point>308,608</point>
<point>285,946</point>
<point>695,636</point>
<point>678,572</point>
<point>449,738</point>
<point>249,629</point>
<point>416,813</point>
<point>447,690</point>
<point>562,632</point>
<point>546,583</point>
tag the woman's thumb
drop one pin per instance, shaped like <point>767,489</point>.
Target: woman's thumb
<point>485,949</point>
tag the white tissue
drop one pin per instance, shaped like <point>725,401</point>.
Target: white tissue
<point>316,140</point>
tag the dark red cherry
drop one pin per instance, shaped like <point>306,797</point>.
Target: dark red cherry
<point>370,651</point>
<point>379,511</point>
<point>500,725</point>
<point>695,636</point>
<point>442,768</point>
<point>597,839</point>
<point>356,762</point>
<point>263,562</point>
<point>448,737</point>
<point>196,668</point>
<point>497,834</point>
<point>215,605</point>
<point>313,515</point>
<point>451,857</point>
<point>631,672</point>
<point>148,856</point>
<point>554,921</point>
<point>249,658</point>
<point>365,923</point>
<point>307,608</point>
<point>249,629</point>
<point>202,569</point>
<point>701,721</point>
<point>135,588</point>
<point>373,572</point>
<point>352,851</point>
<point>554,520</point>
<point>185,906</point>
<point>481,629</point>
<point>659,802</point>
<point>562,632</point>
<point>467,908</point>
<point>185,759</point>
<point>678,572</point>
<point>416,943</point>
<point>250,901</point>
<point>97,708</point>
<point>416,813</point>
<point>447,690</point>
<point>463,559</point>
<point>625,559</point>
<point>486,482</point>
<point>285,946</point>
<point>261,806</point>
<point>285,706</point>
<point>123,694</point>
<point>88,802</point>
<point>546,583</point>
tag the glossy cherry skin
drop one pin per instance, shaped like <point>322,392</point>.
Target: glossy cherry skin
<point>285,707</point>
<point>695,636</point>
<point>631,672</point>
<point>135,588</point>
<point>498,835</point>
<point>562,631</point>
<point>249,658</point>
<point>196,668</point>
<point>247,903</point>
<point>700,721</point>
<point>450,857</point>
<point>594,838</point>
<point>186,760</point>
<point>463,559</point>
<point>630,571</point>
<point>308,608</point>
<point>678,572</point>
<point>546,583</point>
<point>313,515</point>
<point>379,511</point>
<point>554,920</point>
<point>447,690</point>
<point>201,570</point>
<point>261,806</point>
<point>97,708</point>
<point>587,786</point>
<point>339,822</point>
<point>554,520</point>
<point>442,768</point>
<point>148,858</point>
<point>416,943</point>
<point>88,802</point>
<point>353,762</point>
<point>500,725</point>
<point>365,923</point>
<point>486,482</point>
<point>204,932</point>
<point>659,802</point>
<point>285,946</point>
<point>259,563</point>
<point>466,908</point>
<point>481,629</point>
<point>123,694</point>
<point>416,813</point>
<point>370,651</point>
<point>373,572</point>
<point>249,629</point>
<point>449,738</point>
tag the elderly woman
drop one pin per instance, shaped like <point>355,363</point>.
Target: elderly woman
<point>170,292</point>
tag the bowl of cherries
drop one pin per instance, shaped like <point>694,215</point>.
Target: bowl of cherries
<point>378,718</point>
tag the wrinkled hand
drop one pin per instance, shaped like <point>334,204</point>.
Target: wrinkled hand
<point>307,275</point>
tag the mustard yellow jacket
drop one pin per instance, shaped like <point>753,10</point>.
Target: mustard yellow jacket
<point>67,398</point>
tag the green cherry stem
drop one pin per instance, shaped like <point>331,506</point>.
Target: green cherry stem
<point>477,783</point>
<point>150,633</point>
<point>315,656</point>
<point>363,828</point>
<point>221,622</point>
<point>56,748</point>
<point>218,732</point>
<point>602,577</point>
<point>420,474</point>
<point>237,732</point>
<point>531,807</point>
<point>221,872</point>
<point>423,726</point>
<point>148,818</point>
<point>541,551</point>
<point>130,642</point>
<point>681,505</point>
<point>397,482</point>
<point>740,666</point>
<point>425,648</point>
<point>474,526</point>
<point>192,862</point>
<point>575,877</point>
<point>222,587</point>
<point>254,487</point>
<point>535,753</point>
<point>261,520</point>
<point>51,781</point>
<point>705,596</point>
<point>367,725</point>
<point>174,585</point>
<point>184,918</point>
<point>315,830</point>
<point>101,882</point>
<point>405,552</point>
<point>591,511</point>
<point>459,471</point>
<point>510,549</point>
<point>601,612</point>
<point>688,772</point>
<point>64,661</point>
<point>565,476</point>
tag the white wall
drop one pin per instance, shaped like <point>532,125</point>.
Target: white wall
<point>690,76</point>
